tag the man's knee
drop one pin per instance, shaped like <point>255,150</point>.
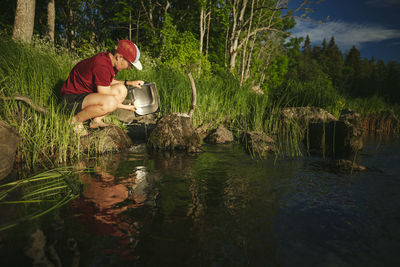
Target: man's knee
<point>121,91</point>
<point>109,104</point>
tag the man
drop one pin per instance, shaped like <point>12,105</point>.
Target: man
<point>92,90</point>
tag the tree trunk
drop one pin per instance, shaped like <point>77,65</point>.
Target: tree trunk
<point>245,56</point>
<point>238,21</point>
<point>24,20</point>
<point>208,30</point>
<point>71,29</point>
<point>149,14</point>
<point>51,19</point>
<point>130,25</point>
<point>137,27</point>
<point>202,30</point>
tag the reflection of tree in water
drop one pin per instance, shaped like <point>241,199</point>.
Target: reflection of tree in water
<point>107,200</point>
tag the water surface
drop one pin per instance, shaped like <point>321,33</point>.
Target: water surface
<point>221,208</point>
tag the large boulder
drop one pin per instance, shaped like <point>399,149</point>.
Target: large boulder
<point>205,129</point>
<point>130,117</point>
<point>108,139</point>
<point>258,143</point>
<point>174,132</point>
<point>337,138</point>
<point>221,135</point>
<point>304,115</point>
<point>323,133</point>
<point>8,147</point>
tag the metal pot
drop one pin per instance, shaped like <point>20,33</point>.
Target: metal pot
<point>145,99</point>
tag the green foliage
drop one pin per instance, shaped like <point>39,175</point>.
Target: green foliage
<point>318,93</point>
<point>276,72</point>
<point>37,71</point>
<point>180,51</point>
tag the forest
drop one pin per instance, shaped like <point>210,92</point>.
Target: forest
<point>250,39</point>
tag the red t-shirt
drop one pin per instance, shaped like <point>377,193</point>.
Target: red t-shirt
<point>88,74</point>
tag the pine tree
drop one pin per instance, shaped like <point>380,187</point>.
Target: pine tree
<point>353,71</point>
<point>307,46</point>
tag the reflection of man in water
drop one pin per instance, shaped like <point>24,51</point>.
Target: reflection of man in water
<point>102,205</point>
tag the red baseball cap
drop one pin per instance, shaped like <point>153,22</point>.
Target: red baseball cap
<point>130,52</point>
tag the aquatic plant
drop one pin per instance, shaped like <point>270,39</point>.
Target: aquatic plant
<point>40,193</point>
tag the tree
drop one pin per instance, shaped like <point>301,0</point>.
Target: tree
<point>24,20</point>
<point>353,70</point>
<point>51,19</point>
<point>250,18</point>
<point>307,46</point>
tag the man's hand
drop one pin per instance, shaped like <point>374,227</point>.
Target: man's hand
<point>138,83</point>
<point>127,107</point>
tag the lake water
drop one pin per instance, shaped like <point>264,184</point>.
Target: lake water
<point>221,208</point>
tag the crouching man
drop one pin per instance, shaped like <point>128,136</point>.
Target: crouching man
<point>91,89</point>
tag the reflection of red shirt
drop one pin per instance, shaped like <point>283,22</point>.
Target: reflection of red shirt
<point>88,74</point>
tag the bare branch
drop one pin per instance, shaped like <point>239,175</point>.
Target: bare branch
<point>194,95</point>
<point>27,101</point>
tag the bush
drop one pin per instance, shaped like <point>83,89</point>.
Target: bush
<point>181,50</point>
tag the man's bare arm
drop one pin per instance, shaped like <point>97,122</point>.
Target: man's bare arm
<point>137,83</point>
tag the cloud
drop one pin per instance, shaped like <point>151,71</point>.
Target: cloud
<point>346,34</point>
<point>383,3</point>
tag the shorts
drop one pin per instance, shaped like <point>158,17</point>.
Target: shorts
<point>73,103</point>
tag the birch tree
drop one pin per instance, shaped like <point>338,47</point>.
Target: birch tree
<point>270,19</point>
<point>51,19</point>
<point>24,20</point>
<point>205,15</point>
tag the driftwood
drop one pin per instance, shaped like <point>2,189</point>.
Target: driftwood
<point>27,101</point>
<point>194,95</point>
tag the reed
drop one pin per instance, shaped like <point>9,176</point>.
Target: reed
<point>312,93</point>
<point>40,194</point>
<point>37,71</point>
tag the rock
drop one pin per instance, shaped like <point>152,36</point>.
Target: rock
<point>107,139</point>
<point>335,139</point>
<point>8,147</point>
<point>350,117</point>
<point>174,132</point>
<point>221,135</point>
<point>140,132</point>
<point>340,166</point>
<point>258,143</point>
<point>205,129</point>
<point>129,116</point>
<point>303,115</point>
<point>324,133</point>
<point>345,165</point>
<point>124,115</point>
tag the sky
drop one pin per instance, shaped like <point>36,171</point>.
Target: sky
<point>373,26</point>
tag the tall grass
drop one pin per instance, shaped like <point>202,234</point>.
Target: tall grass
<point>37,71</point>
<point>312,93</point>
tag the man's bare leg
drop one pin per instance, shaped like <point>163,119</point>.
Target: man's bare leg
<point>96,106</point>
<point>98,123</point>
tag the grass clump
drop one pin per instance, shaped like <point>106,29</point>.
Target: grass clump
<point>37,73</point>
